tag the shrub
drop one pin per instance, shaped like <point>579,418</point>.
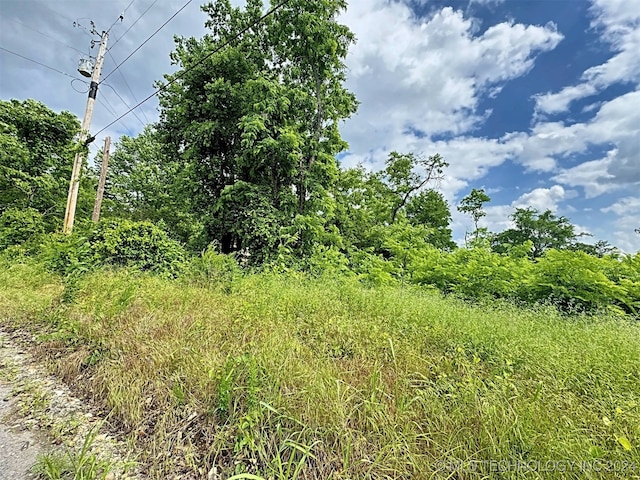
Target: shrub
<point>17,227</point>
<point>213,267</point>
<point>66,254</point>
<point>142,245</point>
<point>575,281</point>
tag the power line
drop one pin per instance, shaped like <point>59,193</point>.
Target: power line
<point>133,24</point>
<point>39,63</point>
<point>152,35</point>
<point>57,13</point>
<point>179,75</point>
<point>128,86</point>
<point>121,16</point>
<point>127,105</point>
<point>112,111</point>
<point>48,36</point>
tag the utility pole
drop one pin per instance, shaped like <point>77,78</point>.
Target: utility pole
<point>74,185</point>
<point>103,179</point>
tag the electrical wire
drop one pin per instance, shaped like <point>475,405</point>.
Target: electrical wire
<point>48,36</point>
<point>56,13</point>
<point>105,103</point>
<point>152,35</point>
<point>39,63</point>
<point>128,86</point>
<point>133,24</point>
<point>127,105</point>
<point>86,84</point>
<point>179,75</point>
<point>121,16</point>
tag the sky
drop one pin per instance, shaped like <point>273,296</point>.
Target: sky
<point>536,101</point>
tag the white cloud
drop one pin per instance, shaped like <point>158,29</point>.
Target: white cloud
<point>593,176</point>
<point>428,73</point>
<point>625,206</point>
<point>619,21</point>
<point>559,102</point>
<point>617,124</point>
<point>543,199</point>
<point>627,211</point>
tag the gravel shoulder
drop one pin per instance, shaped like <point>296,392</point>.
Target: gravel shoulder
<point>41,415</point>
<point>19,448</point>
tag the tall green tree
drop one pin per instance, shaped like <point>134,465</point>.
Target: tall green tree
<point>36,156</point>
<point>429,209</point>
<point>472,205</point>
<point>146,184</point>
<point>256,123</point>
<point>545,231</point>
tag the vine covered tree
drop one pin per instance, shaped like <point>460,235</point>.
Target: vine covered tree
<point>253,114</point>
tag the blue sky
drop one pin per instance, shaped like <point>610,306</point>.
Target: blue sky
<point>536,101</point>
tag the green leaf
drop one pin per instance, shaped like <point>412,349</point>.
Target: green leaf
<point>624,441</point>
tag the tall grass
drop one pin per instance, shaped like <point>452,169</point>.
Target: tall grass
<point>290,377</point>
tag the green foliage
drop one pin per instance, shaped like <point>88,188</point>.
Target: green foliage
<point>66,254</point>
<point>576,281</point>
<point>141,245</point>
<point>19,226</point>
<point>369,206</point>
<point>144,184</point>
<point>475,274</point>
<point>256,125</point>
<point>213,268</point>
<point>472,205</point>
<point>544,230</point>
<point>36,155</point>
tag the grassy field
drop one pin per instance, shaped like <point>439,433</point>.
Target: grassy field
<point>288,377</point>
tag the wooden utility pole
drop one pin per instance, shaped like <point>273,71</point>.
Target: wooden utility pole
<point>74,185</point>
<point>103,179</point>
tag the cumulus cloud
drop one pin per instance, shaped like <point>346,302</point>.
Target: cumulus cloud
<point>427,75</point>
<point>619,22</point>
<point>543,199</point>
<point>627,212</point>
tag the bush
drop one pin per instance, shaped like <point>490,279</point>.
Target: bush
<point>66,254</point>
<point>577,281</point>
<point>18,227</point>
<point>142,245</point>
<point>213,268</point>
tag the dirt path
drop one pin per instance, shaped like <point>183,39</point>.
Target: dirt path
<point>40,415</point>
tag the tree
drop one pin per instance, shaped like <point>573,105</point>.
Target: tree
<point>145,184</point>
<point>472,205</point>
<point>544,230</point>
<point>36,156</point>
<point>431,210</point>
<point>403,181</point>
<point>599,249</point>
<point>259,118</point>
<point>370,206</point>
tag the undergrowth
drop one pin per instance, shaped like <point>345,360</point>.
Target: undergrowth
<point>286,376</point>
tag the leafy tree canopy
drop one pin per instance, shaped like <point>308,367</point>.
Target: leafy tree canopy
<point>36,157</point>
<point>256,123</point>
<point>544,230</point>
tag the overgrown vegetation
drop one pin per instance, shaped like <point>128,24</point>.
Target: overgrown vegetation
<point>286,376</point>
<point>249,304</point>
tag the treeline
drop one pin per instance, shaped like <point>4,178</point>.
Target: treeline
<point>243,161</point>
<point>381,227</point>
